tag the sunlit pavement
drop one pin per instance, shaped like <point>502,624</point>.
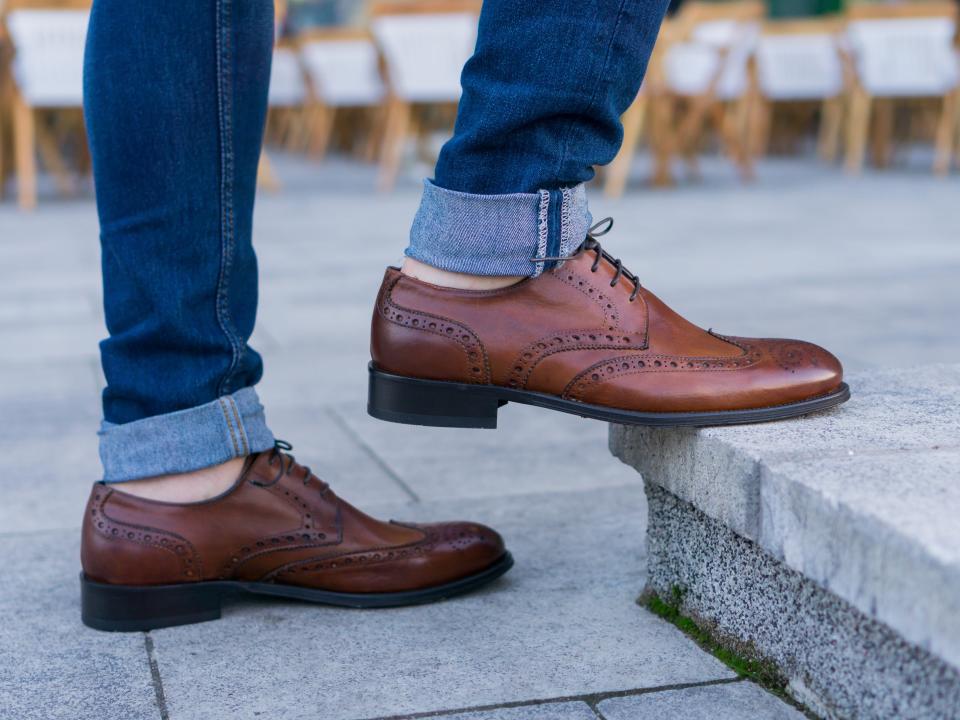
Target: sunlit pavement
<point>870,268</point>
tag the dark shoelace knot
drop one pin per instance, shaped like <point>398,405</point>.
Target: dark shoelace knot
<point>591,243</point>
<point>285,462</point>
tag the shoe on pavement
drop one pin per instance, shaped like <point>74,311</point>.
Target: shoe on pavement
<point>279,531</point>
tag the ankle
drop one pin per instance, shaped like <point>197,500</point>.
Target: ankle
<point>187,487</point>
<point>462,281</point>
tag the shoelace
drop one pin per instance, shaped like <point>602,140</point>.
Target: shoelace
<point>591,243</point>
<point>280,456</point>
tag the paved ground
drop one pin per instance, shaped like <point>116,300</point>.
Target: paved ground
<point>869,268</point>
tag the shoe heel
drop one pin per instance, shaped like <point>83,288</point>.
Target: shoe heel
<point>128,608</point>
<point>430,402</point>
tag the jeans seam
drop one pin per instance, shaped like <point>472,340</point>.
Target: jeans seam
<point>226,417</point>
<point>227,222</point>
<point>241,431</point>
<point>565,222</point>
<point>543,230</point>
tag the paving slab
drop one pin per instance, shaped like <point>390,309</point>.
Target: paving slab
<point>734,701</point>
<point>563,623</point>
<point>52,667</point>
<point>545,711</point>
<point>335,454</point>
<point>531,450</point>
<point>46,480</point>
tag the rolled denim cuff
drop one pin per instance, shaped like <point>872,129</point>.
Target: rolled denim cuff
<point>498,234</point>
<point>230,427</point>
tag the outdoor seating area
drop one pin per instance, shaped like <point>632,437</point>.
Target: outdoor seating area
<point>850,87</point>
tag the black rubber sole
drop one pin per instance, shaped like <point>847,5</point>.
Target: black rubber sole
<point>438,403</point>
<point>127,608</point>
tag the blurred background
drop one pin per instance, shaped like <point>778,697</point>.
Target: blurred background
<point>789,169</point>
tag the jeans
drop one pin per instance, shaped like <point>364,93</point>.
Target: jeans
<point>175,97</point>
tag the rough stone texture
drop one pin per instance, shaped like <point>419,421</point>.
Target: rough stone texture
<point>863,499</point>
<point>51,667</point>
<point>562,623</point>
<point>840,662</point>
<point>733,701</point>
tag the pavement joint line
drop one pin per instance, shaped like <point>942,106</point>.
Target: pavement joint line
<point>155,677</point>
<point>372,454</point>
<point>590,699</point>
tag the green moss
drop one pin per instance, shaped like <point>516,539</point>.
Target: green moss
<point>761,671</point>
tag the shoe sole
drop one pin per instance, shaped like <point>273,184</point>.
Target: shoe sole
<point>439,403</point>
<point>130,608</point>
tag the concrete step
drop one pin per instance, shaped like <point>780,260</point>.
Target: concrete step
<point>829,545</point>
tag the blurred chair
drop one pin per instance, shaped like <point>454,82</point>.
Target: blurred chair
<point>423,46</point>
<point>798,62</point>
<point>634,124</point>
<point>901,53</point>
<point>343,72</point>
<point>46,74</point>
<point>707,73</point>
<point>646,116</point>
<point>288,96</point>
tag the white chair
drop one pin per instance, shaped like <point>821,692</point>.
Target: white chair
<point>423,55</point>
<point>901,59</point>
<point>288,96</point>
<point>343,72</point>
<point>800,62</point>
<point>47,72</point>
<point>710,71</point>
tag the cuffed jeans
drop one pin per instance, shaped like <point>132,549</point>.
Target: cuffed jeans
<point>175,97</point>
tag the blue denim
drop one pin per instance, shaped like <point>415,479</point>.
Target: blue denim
<point>541,106</point>
<point>175,98</point>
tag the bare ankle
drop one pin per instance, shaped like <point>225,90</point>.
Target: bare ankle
<point>187,487</point>
<point>462,281</point>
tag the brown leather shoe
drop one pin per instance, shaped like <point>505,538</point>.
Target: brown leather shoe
<point>583,338</point>
<point>278,531</point>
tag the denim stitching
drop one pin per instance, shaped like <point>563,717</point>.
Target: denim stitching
<point>227,226</point>
<point>543,230</point>
<point>233,437</point>
<point>565,239</point>
<point>241,431</point>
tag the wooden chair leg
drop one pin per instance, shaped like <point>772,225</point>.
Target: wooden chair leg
<point>882,134</point>
<point>619,169</point>
<point>731,141</point>
<point>3,141</point>
<point>691,129</point>
<point>831,117</point>
<point>395,136</point>
<point>52,159</point>
<point>321,132</point>
<point>758,127</point>
<point>266,178</point>
<point>858,122</point>
<point>24,142</point>
<point>374,139</point>
<point>945,135</point>
<point>662,139</point>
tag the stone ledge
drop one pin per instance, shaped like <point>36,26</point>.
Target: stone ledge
<point>863,500</point>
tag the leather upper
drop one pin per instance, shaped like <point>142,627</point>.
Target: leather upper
<point>570,333</point>
<point>279,523</point>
